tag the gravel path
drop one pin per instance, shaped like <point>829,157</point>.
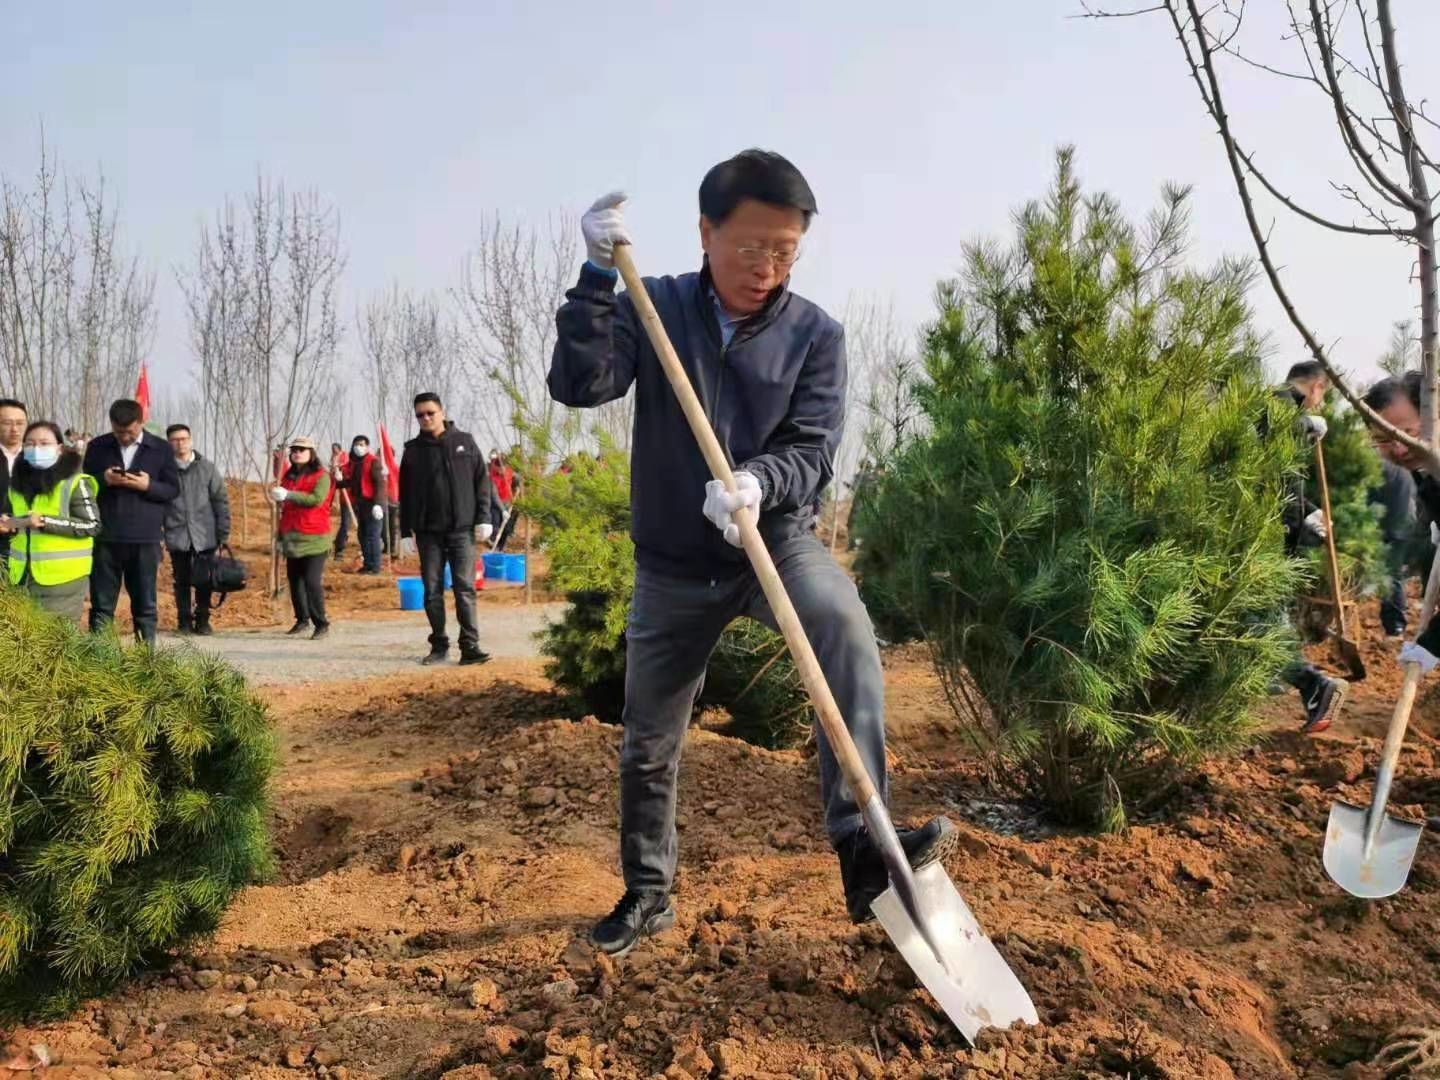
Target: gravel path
<point>356,650</point>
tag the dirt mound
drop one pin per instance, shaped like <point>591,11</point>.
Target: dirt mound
<point>446,842</point>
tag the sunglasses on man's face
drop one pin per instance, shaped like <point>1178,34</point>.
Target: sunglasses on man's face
<point>427,415</point>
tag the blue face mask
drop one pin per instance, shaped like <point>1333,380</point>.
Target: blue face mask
<point>42,457</point>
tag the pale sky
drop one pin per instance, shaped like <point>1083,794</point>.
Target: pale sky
<point>919,124</point>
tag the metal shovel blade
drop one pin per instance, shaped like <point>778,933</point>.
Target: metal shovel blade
<point>1383,871</point>
<point>975,986</point>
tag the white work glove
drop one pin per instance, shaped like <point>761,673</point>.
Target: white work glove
<point>1435,534</point>
<point>377,512</point>
<point>407,547</point>
<point>1412,652</point>
<point>721,504</point>
<point>279,494</point>
<point>603,226</point>
<point>1311,426</point>
<point>1315,522</point>
<point>485,532</point>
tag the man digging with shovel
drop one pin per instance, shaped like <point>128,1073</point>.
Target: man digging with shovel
<point>769,368</point>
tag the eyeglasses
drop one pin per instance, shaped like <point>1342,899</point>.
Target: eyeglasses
<point>760,256</point>
<point>427,414</point>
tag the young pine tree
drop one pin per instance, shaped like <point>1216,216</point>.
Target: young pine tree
<point>133,804</point>
<point>1088,532</point>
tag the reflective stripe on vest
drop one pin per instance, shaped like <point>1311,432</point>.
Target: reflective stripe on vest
<point>51,559</point>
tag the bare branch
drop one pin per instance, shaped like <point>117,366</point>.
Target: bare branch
<point>1087,12</point>
<point>1203,72</point>
<point>1290,204</point>
<point>1323,40</point>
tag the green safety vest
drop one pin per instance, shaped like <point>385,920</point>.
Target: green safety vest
<point>53,560</point>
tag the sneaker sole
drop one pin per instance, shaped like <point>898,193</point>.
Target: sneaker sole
<point>942,847</point>
<point>656,924</point>
<point>1332,710</point>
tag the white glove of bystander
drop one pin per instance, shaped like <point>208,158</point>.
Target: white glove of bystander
<point>1311,426</point>
<point>1412,652</point>
<point>603,226</point>
<point>407,547</point>
<point>1315,522</point>
<point>279,494</point>
<point>485,532</point>
<point>378,513</point>
<point>720,504</point>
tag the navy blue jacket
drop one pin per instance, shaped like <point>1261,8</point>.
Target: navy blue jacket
<point>133,517</point>
<point>775,397</point>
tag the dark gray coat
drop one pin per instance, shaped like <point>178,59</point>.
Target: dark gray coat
<point>199,517</point>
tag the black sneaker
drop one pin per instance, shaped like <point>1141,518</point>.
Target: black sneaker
<point>301,625</point>
<point>203,629</point>
<point>1324,704</point>
<point>862,870</point>
<point>184,627</point>
<point>321,630</point>
<point>637,915</point>
<point>436,656</point>
<point>473,656</point>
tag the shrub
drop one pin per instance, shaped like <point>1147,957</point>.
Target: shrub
<point>585,518</point>
<point>1088,534</point>
<point>132,804</point>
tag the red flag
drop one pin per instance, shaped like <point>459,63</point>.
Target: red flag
<point>392,469</point>
<point>142,393</point>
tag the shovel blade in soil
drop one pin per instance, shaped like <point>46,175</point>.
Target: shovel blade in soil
<point>1351,658</point>
<point>1384,871</point>
<point>975,986</point>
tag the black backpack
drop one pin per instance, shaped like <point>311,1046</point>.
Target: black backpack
<point>227,574</point>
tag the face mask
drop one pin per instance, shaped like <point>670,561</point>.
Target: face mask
<point>42,457</point>
<point>360,451</point>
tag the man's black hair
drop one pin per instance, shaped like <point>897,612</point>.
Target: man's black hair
<point>173,428</point>
<point>1306,369</point>
<point>428,395</point>
<point>366,438</point>
<point>1391,387</point>
<point>762,175</point>
<point>11,403</point>
<point>126,412</point>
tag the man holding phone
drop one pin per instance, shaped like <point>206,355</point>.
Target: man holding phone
<point>138,479</point>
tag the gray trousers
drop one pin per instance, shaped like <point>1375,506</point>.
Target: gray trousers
<point>674,624</point>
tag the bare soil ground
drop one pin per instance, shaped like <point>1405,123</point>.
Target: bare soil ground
<point>445,842</point>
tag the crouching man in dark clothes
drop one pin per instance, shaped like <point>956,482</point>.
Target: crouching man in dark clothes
<point>1397,401</point>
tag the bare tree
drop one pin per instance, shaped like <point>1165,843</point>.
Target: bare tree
<point>411,346</point>
<point>511,285</point>
<point>1403,352</point>
<point>886,355</point>
<point>1347,51</point>
<point>264,323</point>
<point>76,316</point>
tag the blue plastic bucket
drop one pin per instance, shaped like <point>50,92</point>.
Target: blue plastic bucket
<point>515,568</point>
<point>494,564</point>
<point>412,593</point>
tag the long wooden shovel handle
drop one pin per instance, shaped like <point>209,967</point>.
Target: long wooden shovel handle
<point>1330,540</point>
<point>831,722</point>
